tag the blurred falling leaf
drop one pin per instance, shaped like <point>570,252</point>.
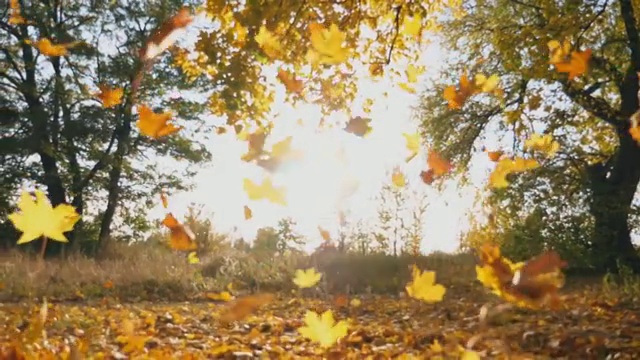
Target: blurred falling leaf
<point>358,126</point>
<point>248,214</point>
<point>240,308</point>
<point>306,278</point>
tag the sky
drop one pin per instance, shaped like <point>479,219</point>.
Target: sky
<point>321,185</point>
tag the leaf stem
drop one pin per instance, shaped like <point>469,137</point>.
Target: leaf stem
<point>43,247</point>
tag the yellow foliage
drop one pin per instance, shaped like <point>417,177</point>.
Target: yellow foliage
<point>543,143</point>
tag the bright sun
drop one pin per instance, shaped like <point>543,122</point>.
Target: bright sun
<point>339,171</point>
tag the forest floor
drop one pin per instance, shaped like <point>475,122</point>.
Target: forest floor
<point>591,325</point>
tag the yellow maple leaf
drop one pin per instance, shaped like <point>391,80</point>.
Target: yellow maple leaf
<point>543,143</point>
<point>412,144</point>
<point>266,190</point>
<point>487,84</point>
<point>221,296</point>
<point>192,258</point>
<point>306,278</point>
<point>355,302</point>
<point>37,218</point>
<point>155,125</point>
<point>397,179</point>
<point>326,45</point>
<point>469,355</point>
<point>506,166</point>
<point>46,47</point>
<point>558,52</point>
<point>423,286</point>
<point>268,42</point>
<point>323,329</point>
<point>412,25</point>
<point>110,97</point>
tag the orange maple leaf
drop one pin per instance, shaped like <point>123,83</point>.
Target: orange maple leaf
<point>166,34</point>
<point>240,308</point>
<point>46,47</point>
<point>577,65</point>
<point>326,236</point>
<point>155,125</point>
<point>181,238</point>
<point>110,97</point>
<point>495,155</point>
<point>438,164</point>
<point>290,82</point>
<point>457,97</point>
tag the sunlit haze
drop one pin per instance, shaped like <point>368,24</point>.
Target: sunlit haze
<point>339,171</point>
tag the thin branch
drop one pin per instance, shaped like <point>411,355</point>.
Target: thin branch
<point>396,24</point>
<point>596,106</point>
<point>633,39</point>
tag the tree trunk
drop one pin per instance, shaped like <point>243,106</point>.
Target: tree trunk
<point>115,174</point>
<point>613,186</point>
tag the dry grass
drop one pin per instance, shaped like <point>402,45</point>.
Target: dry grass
<point>151,272</point>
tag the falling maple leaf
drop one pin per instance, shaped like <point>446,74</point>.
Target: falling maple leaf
<point>192,258</point>
<point>181,237</point>
<point>323,329</point>
<point>412,144</point>
<point>358,126</point>
<point>268,42</point>
<point>577,65</point>
<point>255,142</point>
<point>248,214</point>
<point>457,97</point>
<point>506,166</point>
<point>266,191</point>
<point>530,284</point>
<point>558,52</point>
<point>427,176</point>
<point>46,47</point>
<point>397,179</point>
<point>290,82</point>
<point>110,97</point>
<point>324,234</point>
<point>155,125</point>
<point>306,278</point>
<point>341,301</point>
<point>36,218</point>
<point>166,34</point>
<point>221,296</point>
<point>15,16</point>
<point>543,143</point>
<point>240,308</point>
<point>495,155</point>
<point>412,25</point>
<point>438,164</point>
<point>355,302</point>
<point>423,286</point>
<point>326,45</point>
<point>107,284</point>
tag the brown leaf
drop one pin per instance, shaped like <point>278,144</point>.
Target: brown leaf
<point>240,308</point>
<point>358,126</point>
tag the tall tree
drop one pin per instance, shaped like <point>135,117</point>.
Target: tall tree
<point>86,153</point>
<point>589,114</point>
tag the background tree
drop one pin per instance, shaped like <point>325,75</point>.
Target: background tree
<point>266,242</point>
<point>588,115</point>
<point>288,237</point>
<point>61,136</point>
